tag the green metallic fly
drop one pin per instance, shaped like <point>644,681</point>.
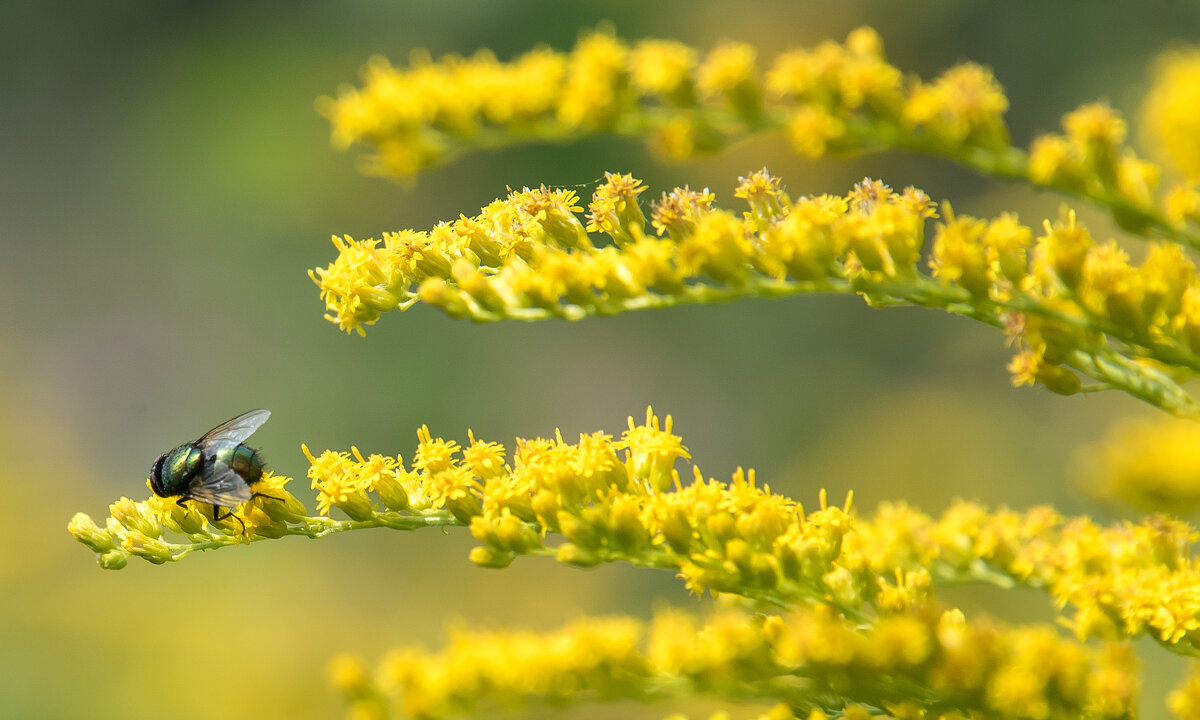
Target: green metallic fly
<point>217,469</point>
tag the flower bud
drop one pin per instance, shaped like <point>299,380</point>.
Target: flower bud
<point>113,559</point>
<point>87,532</point>
<point>149,548</point>
<point>356,505</point>
<point>490,557</point>
<point>572,554</point>
<point>283,507</point>
<point>579,531</point>
<point>135,517</point>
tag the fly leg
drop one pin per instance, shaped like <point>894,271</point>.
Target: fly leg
<point>181,503</point>
<point>217,517</point>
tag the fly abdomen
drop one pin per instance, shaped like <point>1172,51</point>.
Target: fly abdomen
<point>243,460</point>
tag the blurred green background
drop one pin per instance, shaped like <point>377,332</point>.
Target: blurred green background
<point>167,183</point>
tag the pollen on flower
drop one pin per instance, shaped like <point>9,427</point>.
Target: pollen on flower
<point>614,208</point>
<point>433,456</point>
<point>764,193</point>
<point>884,232</point>
<point>676,213</point>
<point>652,450</point>
<point>486,459</point>
<point>356,286</point>
<point>339,484</point>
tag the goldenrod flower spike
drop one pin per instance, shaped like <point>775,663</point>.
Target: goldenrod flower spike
<point>1072,305</point>
<point>810,662</point>
<point>159,530</point>
<point>604,499</point>
<point>836,98</point>
<point>1120,581</point>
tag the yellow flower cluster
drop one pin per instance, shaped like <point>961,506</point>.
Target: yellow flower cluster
<point>811,662</point>
<point>529,256</point>
<point>437,485</point>
<point>136,528</point>
<point>687,103</point>
<point>622,500</point>
<point>611,500</point>
<point>1090,158</point>
<point>834,98</point>
<point>1068,300</point>
<point>1126,580</point>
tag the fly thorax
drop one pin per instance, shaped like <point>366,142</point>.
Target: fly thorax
<point>174,470</point>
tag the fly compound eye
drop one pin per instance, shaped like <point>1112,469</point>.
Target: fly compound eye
<point>156,476</point>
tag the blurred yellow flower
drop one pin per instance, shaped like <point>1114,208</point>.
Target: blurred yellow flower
<point>810,661</point>
<point>1171,111</point>
<point>1184,701</point>
<point>965,104</point>
<point>1150,465</point>
<point>663,68</point>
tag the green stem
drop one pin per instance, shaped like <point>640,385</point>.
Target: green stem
<point>1097,360</point>
<point>317,527</point>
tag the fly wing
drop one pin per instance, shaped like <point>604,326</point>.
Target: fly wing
<point>220,486</point>
<point>236,431</point>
